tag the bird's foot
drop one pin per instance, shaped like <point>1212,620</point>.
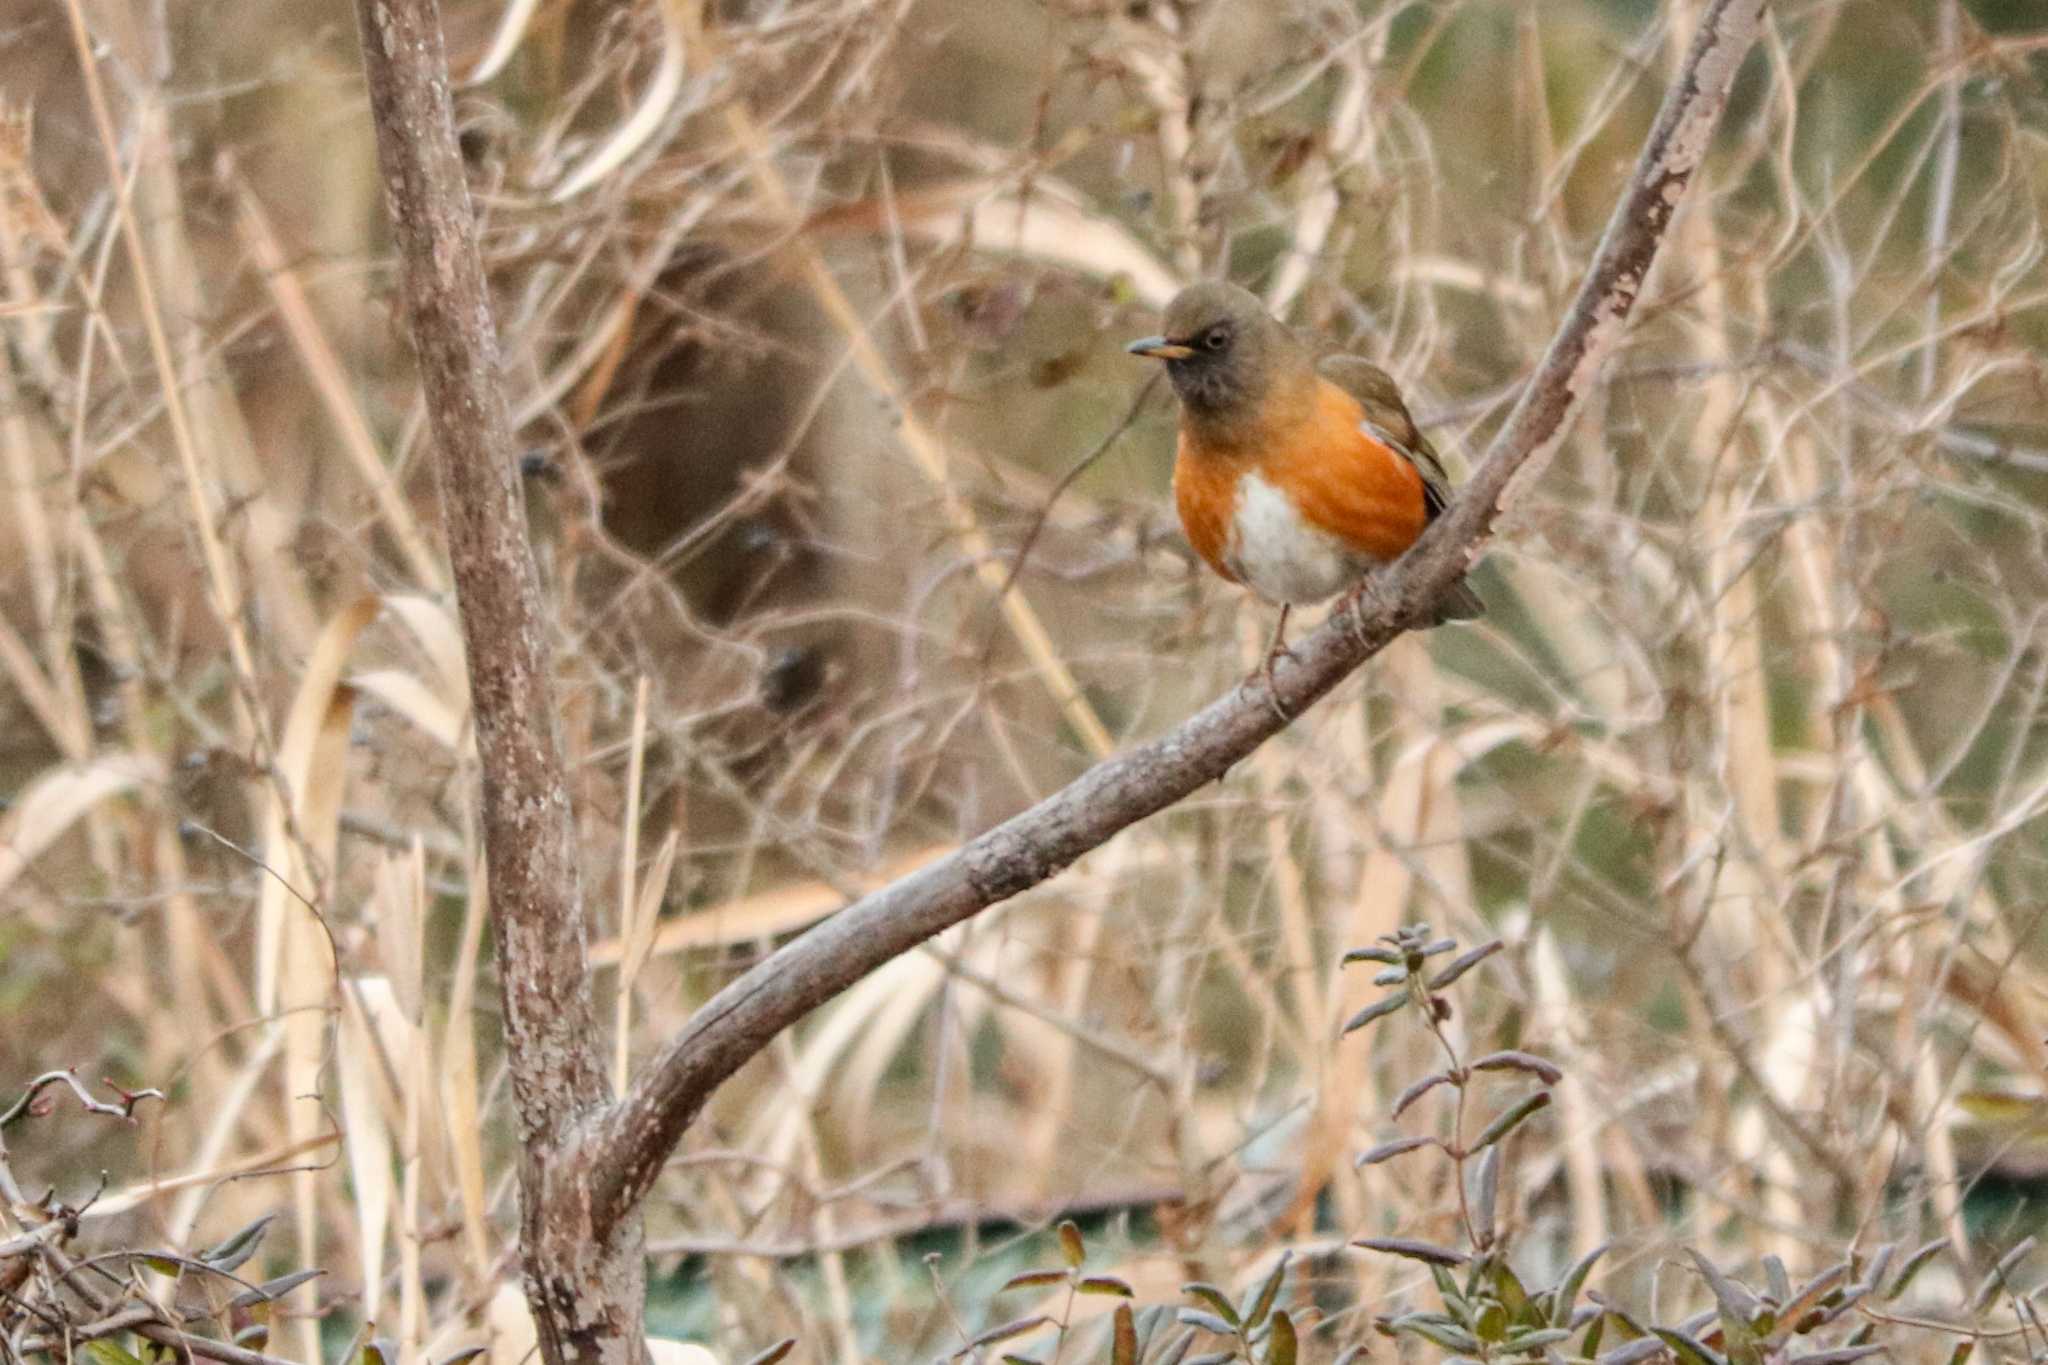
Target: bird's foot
<point>1273,656</point>
<point>1352,607</point>
<point>1276,649</point>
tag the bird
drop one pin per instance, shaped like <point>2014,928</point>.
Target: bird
<point>1294,477</point>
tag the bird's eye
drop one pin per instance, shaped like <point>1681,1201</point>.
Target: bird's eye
<point>1216,338</point>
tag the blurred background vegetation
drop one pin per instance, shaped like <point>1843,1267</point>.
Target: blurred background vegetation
<point>806,307</point>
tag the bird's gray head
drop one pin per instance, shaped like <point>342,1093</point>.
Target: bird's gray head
<point>1224,352</point>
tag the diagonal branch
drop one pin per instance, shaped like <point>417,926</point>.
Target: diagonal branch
<point>625,1149</point>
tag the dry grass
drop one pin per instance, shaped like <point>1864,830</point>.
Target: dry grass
<point>806,306</point>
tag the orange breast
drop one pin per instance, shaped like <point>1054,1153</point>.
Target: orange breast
<point>1364,493</point>
<point>1342,481</point>
<point>1205,493</point>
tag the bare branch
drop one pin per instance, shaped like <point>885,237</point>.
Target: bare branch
<point>634,1138</point>
<point>123,1110</point>
<point>586,1291</point>
<point>144,1320</point>
<point>534,888</point>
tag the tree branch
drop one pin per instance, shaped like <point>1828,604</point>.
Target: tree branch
<point>586,1289</point>
<point>626,1149</point>
<point>535,894</point>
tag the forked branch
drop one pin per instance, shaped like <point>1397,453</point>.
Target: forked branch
<point>591,1162</point>
<point>632,1138</point>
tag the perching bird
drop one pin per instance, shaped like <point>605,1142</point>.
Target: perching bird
<point>1294,478</point>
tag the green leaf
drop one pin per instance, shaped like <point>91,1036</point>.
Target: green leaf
<point>1007,1331</point>
<point>165,1265</point>
<point>1510,1119</point>
<point>1106,1285</point>
<point>1178,1351</point>
<point>1259,1302</point>
<point>1545,1070</point>
<point>1535,1338</point>
<point>380,1351</point>
<point>1216,1299</point>
<point>1370,955</point>
<point>1840,1356</point>
<point>239,1246</point>
<point>1464,963</point>
<point>1432,1328</point>
<point>1208,1322</point>
<point>276,1289</point>
<point>1486,1189</point>
<point>1996,1280</point>
<point>1880,1261</point>
<point>463,1357</point>
<point>1123,1348</point>
<point>778,1351</point>
<point>1737,1309</point>
<point>1589,1344</point>
<point>1631,1330</point>
<point>1797,1314</point>
<point>1387,1151</point>
<point>1915,1263</point>
<point>1735,1301</point>
<point>1426,1252</point>
<point>1574,1280</point>
<point>1378,1010</point>
<point>1071,1245</point>
<point>1777,1283</point>
<point>1493,1320</point>
<point>1513,1296</point>
<point>1417,1091</point>
<point>1281,1345</point>
<point>1690,1350</point>
<point>1643,1348</point>
<point>1033,1279</point>
<point>108,1353</point>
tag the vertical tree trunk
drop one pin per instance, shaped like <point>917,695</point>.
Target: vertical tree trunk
<point>586,1286</point>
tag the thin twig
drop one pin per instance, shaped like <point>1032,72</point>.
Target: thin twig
<point>124,1110</point>
<point>1059,488</point>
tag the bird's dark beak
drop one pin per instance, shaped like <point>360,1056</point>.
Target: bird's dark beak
<point>1159,348</point>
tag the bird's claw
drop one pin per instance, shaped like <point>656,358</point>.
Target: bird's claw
<point>1352,606</point>
<point>1273,656</point>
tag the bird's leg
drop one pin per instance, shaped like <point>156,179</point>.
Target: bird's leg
<point>1274,649</point>
<point>1352,605</point>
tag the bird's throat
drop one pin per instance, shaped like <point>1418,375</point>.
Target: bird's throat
<point>1229,423</point>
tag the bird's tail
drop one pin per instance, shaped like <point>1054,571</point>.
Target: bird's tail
<point>1459,604</point>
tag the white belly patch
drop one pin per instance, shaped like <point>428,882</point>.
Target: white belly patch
<point>1279,556</point>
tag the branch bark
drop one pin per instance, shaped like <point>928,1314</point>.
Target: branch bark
<point>632,1140</point>
<point>585,1285</point>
